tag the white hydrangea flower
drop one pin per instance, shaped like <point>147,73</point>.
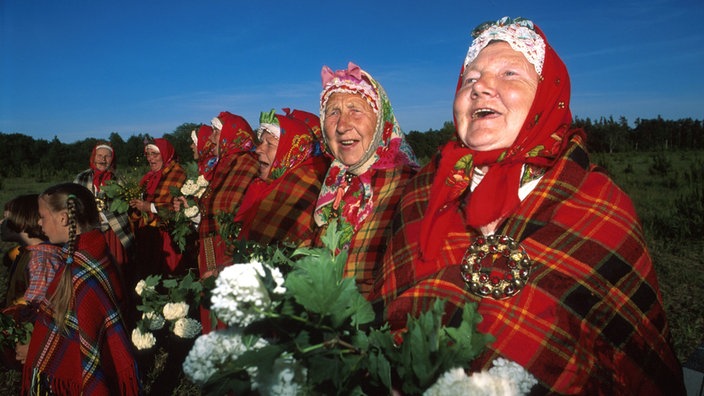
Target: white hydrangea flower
<point>143,340</point>
<point>202,181</point>
<point>154,320</point>
<point>239,296</point>
<point>191,211</point>
<point>175,311</point>
<point>286,378</point>
<point>511,370</point>
<point>505,378</point>
<point>189,187</point>
<point>187,328</point>
<point>211,352</point>
<point>141,285</point>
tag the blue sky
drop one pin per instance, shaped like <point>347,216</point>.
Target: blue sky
<point>78,69</point>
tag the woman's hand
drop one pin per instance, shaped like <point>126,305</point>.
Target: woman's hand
<point>141,205</point>
<point>178,201</point>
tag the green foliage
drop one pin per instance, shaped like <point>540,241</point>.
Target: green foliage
<point>120,191</point>
<point>12,332</point>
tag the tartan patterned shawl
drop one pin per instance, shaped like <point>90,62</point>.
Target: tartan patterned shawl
<point>285,211</point>
<point>119,223</point>
<point>369,243</point>
<point>94,356</point>
<point>589,321</point>
<point>172,175</point>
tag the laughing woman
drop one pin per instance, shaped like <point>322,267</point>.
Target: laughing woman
<point>513,217</point>
<point>371,162</point>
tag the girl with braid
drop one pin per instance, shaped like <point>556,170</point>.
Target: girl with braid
<point>79,344</point>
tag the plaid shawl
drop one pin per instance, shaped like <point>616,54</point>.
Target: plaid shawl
<point>44,262</point>
<point>224,193</point>
<point>94,356</point>
<point>118,222</point>
<point>369,243</point>
<point>283,211</point>
<point>172,175</point>
<point>589,321</point>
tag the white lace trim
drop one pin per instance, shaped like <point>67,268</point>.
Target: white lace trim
<point>520,38</point>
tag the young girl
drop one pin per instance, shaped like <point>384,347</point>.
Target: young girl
<point>79,344</point>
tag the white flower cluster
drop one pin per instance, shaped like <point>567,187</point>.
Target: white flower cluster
<point>505,378</point>
<point>191,211</point>
<point>175,311</point>
<point>154,320</point>
<point>240,297</point>
<point>213,351</point>
<point>187,328</point>
<point>284,380</point>
<point>141,287</point>
<point>142,340</point>
<point>194,188</point>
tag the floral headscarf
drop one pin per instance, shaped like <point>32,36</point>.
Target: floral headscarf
<point>207,151</point>
<point>389,148</point>
<point>296,141</point>
<point>544,135</point>
<point>236,135</point>
<point>99,176</point>
<point>167,152</point>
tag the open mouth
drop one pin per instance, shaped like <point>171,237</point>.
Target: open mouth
<point>347,142</point>
<point>483,112</point>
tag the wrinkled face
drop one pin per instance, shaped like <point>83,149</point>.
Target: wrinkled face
<point>349,126</point>
<point>54,224</point>
<point>154,159</point>
<point>215,140</point>
<point>266,152</point>
<point>497,91</point>
<point>102,159</point>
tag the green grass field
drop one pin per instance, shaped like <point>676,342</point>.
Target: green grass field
<point>666,189</point>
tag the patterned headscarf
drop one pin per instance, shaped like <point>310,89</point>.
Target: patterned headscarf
<point>389,148</point>
<point>296,141</point>
<point>100,176</point>
<point>236,135</point>
<point>543,136</point>
<point>167,152</point>
<point>207,151</point>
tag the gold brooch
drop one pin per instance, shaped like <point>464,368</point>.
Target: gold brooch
<point>488,280</point>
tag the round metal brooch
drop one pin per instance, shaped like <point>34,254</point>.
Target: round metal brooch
<point>481,267</point>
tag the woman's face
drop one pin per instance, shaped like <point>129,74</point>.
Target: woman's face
<point>154,159</point>
<point>349,126</point>
<point>497,91</point>
<point>54,224</point>
<point>266,152</point>
<point>194,148</point>
<point>102,159</point>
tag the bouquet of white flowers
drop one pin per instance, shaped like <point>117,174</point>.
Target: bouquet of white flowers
<point>167,301</point>
<point>302,328</point>
<point>182,223</point>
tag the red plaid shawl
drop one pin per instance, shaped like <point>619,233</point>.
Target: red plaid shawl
<point>95,356</point>
<point>172,175</point>
<point>589,321</point>
<point>224,194</point>
<point>369,243</point>
<point>283,210</point>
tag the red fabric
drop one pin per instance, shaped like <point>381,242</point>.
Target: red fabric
<point>236,135</point>
<point>207,152</point>
<point>152,178</point>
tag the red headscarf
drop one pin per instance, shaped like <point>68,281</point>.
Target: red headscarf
<point>236,135</point>
<point>543,136</point>
<point>100,176</point>
<point>152,178</point>
<point>207,152</point>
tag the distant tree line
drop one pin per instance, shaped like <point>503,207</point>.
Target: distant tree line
<point>24,156</point>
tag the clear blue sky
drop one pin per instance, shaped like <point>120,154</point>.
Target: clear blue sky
<point>77,69</point>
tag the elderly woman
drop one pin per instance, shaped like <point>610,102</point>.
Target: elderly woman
<point>155,252</point>
<point>278,206</point>
<point>514,218</point>
<point>371,163</point>
<point>115,226</point>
